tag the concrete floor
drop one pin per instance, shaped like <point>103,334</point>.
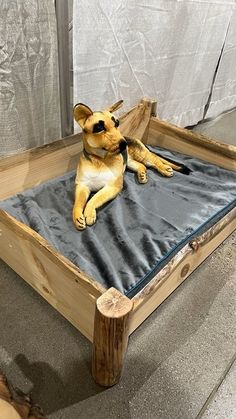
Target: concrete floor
<point>181,362</point>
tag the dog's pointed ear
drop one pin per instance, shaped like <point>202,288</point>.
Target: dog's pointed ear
<point>81,113</point>
<point>116,106</point>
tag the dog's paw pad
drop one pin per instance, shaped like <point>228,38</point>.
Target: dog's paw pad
<point>90,220</point>
<point>142,177</point>
<point>90,216</point>
<point>80,223</point>
<point>170,171</point>
<point>167,171</point>
<point>79,219</point>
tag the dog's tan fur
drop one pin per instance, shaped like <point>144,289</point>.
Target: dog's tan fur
<point>102,165</point>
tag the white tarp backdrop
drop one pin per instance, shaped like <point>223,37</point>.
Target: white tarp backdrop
<point>29,90</point>
<point>164,49</point>
<point>224,90</point>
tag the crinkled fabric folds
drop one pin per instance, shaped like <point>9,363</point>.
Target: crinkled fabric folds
<point>223,95</point>
<point>140,230</point>
<point>29,81</point>
<point>164,49</point>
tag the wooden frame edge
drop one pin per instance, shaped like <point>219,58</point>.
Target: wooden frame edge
<point>183,141</point>
<point>26,233</point>
<point>135,122</point>
<point>179,268</point>
<point>64,286</point>
<point>33,167</point>
<point>167,128</point>
<point>38,152</point>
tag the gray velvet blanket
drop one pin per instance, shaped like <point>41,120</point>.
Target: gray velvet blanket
<point>139,231</point>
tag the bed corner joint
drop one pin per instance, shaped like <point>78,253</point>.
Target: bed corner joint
<point>111,333</point>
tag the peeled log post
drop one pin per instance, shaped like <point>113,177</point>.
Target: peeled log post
<point>111,333</point>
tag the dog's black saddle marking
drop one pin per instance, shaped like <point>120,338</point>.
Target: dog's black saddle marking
<point>125,156</point>
<point>116,121</point>
<point>99,127</point>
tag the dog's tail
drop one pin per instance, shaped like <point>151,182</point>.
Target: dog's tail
<point>179,167</point>
<point>139,151</point>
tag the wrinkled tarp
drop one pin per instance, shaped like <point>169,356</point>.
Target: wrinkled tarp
<point>223,95</point>
<point>29,89</point>
<point>164,49</point>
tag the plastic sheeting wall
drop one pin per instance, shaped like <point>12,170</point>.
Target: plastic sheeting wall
<point>29,90</point>
<point>164,49</point>
<point>223,95</point>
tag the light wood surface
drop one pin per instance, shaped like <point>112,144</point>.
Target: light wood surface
<point>193,137</point>
<point>111,331</point>
<point>179,268</point>
<point>135,122</point>
<point>54,277</point>
<point>33,167</point>
<point>184,141</point>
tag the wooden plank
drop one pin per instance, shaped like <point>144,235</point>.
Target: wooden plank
<point>135,122</point>
<point>179,268</point>
<point>111,333</point>
<point>33,167</point>
<point>59,281</point>
<point>193,137</point>
<point>183,141</point>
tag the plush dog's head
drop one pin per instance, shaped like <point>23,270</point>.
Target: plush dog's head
<point>101,134</point>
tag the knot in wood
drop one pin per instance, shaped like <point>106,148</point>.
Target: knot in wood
<point>185,270</point>
<point>113,304</point>
<point>194,244</point>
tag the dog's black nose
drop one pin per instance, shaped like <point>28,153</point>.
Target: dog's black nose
<point>122,145</point>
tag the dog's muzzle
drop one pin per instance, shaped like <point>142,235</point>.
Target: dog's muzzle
<point>122,145</point>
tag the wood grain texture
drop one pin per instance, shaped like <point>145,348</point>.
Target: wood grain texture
<point>184,141</point>
<point>135,122</point>
<point>179,268</point>
<point>62,284</point>
<point>33,167</point>
<point>193,137</point>
<point>111,331</point>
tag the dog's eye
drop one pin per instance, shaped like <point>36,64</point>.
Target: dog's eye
<point>99,127</point>
<point>116,121</point>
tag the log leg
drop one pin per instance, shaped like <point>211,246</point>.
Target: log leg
<point>111,333</point>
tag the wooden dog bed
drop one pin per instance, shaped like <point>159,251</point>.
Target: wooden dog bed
<point>105,316</point>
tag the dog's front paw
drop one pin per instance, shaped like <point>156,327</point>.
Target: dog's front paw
<point>79,219</point>
<point>90,215</point>
<point>142,176</point>
<point>166,170</point>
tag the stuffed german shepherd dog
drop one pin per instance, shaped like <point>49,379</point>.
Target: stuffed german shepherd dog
<point>105,157</point>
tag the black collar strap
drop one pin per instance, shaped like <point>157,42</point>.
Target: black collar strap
<point>87,155</point>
